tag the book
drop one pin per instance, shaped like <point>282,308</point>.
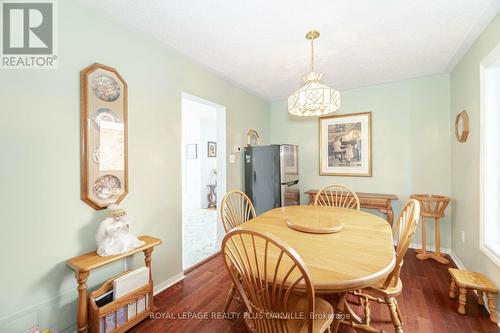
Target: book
<point>141,304</point>
<point>121,316</point>
<point>129,282</point>
<point>132,310</point>
<point>104,299</point>
<point>110,322</point>
<point>101,325</point>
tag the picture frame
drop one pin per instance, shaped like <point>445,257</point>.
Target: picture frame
<point>191,151</point>
<point>345,145</point>
<point>211,149</point>
<point>103,136</point>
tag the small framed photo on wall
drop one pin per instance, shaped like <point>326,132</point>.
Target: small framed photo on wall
<point>192,151</point>
<point>212,149</point>
<point>345,145</point>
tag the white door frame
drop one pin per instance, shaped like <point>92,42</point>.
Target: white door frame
<point>221,156</point>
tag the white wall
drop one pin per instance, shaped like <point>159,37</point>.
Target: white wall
<point>208,132</point>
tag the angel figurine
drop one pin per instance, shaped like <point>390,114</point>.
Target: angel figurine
<point>113,236</point>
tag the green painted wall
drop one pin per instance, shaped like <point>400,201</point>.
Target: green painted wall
<point>43,220</point>
<point>465,88</point>
<point>411,140</point>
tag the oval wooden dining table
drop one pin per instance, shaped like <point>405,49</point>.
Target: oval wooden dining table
<point>358,256</point>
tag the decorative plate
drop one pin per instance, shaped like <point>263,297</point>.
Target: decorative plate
<point>106,88</point>
<point>316,225</point>
<point>104,114</point>
<point>106,186</point>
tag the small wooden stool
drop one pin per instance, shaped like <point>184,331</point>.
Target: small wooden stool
<point>431,206</point>
<point>476,281</point>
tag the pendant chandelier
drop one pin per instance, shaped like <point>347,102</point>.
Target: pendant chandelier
<point>314,98</point>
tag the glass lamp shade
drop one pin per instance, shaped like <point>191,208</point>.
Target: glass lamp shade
<point>314,98</point>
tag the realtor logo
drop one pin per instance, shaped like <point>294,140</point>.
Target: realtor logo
<point>28,34</point>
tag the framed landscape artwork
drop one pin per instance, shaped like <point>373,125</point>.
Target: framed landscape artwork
<point>345,145</point>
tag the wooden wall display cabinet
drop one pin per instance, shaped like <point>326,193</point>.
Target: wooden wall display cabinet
<point>103,136</point>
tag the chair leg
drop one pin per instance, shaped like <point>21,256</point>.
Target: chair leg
<point>367,310</point>
<point>229,298</point>
<point>480,300</point>
<point>453,289</point>
<point>462,299</point>
<point>398,310</point>
<point>394,314</point>
<point>492,307</point>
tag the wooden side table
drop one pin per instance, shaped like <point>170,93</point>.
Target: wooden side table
<point>380,202</point>
<point>476,281</point>
<point>82,265</point>
<point>431,206</point>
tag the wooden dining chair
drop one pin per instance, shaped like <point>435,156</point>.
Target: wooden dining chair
<point>337,195</point>
<point>274,285</point>
<point>236,208</point>
<point>386,291</point>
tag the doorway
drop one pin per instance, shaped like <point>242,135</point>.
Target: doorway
<point>203,177</point>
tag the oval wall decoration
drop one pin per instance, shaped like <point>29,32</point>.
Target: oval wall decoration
<point>103,127</point>
<point>462,126</point>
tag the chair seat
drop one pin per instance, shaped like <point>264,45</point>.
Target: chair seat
<point>391,291</point>
<point>298,305</point>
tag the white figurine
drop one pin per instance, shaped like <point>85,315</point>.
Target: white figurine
<point>113,235</point>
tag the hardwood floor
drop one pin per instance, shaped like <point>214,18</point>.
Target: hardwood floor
<point>424,303</point>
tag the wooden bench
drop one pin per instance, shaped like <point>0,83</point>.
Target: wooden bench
<point>475,281</point>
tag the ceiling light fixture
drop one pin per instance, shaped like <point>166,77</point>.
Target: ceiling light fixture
<point>313,99</point>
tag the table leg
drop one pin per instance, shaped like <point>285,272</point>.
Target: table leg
<point>390,214</point>
<point>82,310</point>
<point>147,261</point>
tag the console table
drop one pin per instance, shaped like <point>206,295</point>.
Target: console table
<point>380,202</point>
<point>82,265</point>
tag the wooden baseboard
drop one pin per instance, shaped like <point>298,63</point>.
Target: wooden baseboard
<point>187,270</point>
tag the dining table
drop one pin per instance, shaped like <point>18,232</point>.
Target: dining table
<point>355,257</point>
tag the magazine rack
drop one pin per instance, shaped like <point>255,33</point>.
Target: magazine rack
<point>82,265</point>
<point>97,315</point>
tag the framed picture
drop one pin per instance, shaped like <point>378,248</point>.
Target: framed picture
<point>192,151</point>
<point>345,145</point>
<point>212,149</point>
<point>103,135</point>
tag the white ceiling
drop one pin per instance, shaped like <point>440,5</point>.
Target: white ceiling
<point>260,44</point>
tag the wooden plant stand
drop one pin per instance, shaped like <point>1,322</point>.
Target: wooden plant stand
<point>431,206</point>
<point>466,280</point>
<point>82,265</point>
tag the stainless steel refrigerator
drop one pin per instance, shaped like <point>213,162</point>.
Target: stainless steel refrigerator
<point>272,176</point>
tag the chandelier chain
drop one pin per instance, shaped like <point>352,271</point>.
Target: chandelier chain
<point>312,55</point>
